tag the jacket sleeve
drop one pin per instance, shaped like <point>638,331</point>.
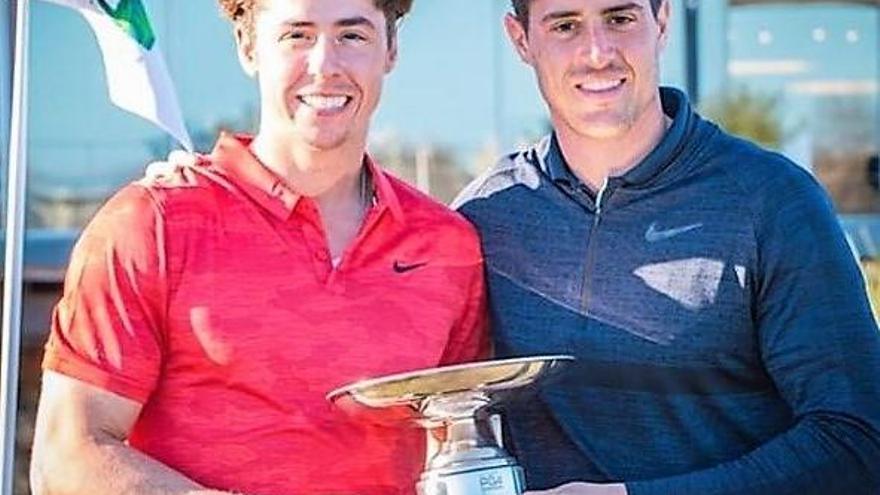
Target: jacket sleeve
<point>821,347</point>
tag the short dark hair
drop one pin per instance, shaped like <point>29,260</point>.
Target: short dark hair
<point>242,12</point>
<point>521,9</point>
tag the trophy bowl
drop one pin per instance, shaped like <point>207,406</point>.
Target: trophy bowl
<point>467,457</point>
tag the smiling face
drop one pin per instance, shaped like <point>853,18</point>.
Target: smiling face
<point>320,67</point>
<point>596,62</point>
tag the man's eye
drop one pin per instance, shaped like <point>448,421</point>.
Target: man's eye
<point>564,27</point>
<point>294,36</point>
<point>354,37</point>
<point>621,20</point>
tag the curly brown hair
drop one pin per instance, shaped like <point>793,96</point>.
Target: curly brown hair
<point>241,13</point>
<point>521,9</point>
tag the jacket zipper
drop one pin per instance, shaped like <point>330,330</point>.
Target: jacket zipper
<point>588,269</point>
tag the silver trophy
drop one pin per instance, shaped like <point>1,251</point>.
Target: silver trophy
<point>467,457</point>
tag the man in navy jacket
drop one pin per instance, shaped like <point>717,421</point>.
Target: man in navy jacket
<point>723,337</point>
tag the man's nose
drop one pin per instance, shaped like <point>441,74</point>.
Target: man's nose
<point>323,58</point>
<point>597,45</point>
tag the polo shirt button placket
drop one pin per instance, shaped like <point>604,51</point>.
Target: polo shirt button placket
<point>321,263</point>
<point>335,281</point>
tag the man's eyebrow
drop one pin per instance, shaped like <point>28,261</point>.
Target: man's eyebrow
<point>345,22</point>
<point>622,8</point>
<point>566,14</point>
<point>559,14</point>
<point>356,21</point>
<point>298,24</point>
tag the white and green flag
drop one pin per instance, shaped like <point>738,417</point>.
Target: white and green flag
<point>137,77</point>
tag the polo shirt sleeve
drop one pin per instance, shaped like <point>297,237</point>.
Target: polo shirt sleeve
<point>107,328</point>
<point>469,338</point>
<point>821,348</point>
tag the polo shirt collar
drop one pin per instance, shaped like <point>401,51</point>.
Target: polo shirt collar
<point>232,156</point>
<point>557,167</point>
<point>385,195</point>
<point>675,106</point>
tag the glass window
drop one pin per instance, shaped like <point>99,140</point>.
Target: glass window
<point>802,77</point>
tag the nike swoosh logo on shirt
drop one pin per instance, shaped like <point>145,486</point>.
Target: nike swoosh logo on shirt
<point>404,267</point>
<point>653,234</point>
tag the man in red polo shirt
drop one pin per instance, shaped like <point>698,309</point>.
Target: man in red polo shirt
<point>206,314</point>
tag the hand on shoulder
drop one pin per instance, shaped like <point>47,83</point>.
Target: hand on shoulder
<point>176,160</point>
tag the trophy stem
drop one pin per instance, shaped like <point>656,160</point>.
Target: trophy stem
<point>470,462</point>
<point>464,441</point>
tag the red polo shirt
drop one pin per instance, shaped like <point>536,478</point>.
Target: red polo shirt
<point>209,297</point>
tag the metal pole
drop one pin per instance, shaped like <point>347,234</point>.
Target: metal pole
<point>14,248</point>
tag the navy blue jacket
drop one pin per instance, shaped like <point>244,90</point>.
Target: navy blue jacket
<point>723,336</point>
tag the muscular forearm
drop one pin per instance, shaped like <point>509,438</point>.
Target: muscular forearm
<point>79,446</point>
<point>106,466</point>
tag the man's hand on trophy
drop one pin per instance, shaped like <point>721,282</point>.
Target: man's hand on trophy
<point>579,488</point>
<point>177,159</point>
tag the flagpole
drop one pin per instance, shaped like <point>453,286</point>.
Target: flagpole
<point>12,279</point>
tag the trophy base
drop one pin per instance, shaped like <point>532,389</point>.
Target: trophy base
<point>497,478</point>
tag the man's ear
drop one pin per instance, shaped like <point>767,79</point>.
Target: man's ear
<point>391,56</point>
<point>246,51</point>
<point>664,13</point>
<point>519,37</point>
